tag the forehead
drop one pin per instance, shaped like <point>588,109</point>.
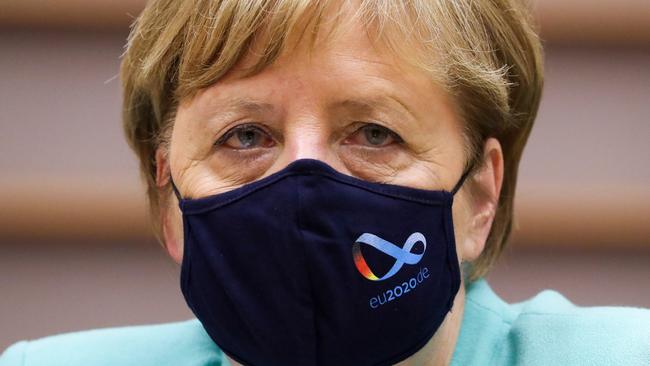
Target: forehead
<point>349,72</point>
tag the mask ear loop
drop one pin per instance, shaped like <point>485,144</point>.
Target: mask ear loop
<point>462,179</point>
<point>176,192</point>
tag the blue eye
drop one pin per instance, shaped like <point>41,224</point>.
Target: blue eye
<point>374,135</point>
<point>246,137</point>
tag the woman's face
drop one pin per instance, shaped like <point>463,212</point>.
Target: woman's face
<point>348,104</point>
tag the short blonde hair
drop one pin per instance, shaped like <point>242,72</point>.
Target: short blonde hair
<point>486,53</point>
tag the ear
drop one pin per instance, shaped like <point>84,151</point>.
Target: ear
<point>482,200</point>
<point>169,214</point>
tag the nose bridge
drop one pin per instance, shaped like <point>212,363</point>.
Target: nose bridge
<point>308,136</point>
<point>307,128</point>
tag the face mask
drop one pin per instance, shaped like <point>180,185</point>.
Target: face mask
<point>309,266</point>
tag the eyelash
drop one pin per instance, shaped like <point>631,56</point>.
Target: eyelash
<point>398,139</point>
<point>253,126</point>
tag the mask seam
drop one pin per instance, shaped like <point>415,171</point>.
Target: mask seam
<point>306,268</point>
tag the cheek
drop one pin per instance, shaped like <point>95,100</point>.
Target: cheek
<point>370,165</point>
<point>223,172</point>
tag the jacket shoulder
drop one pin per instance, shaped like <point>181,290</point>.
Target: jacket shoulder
<point>179,343</point>
<point>551,329</point>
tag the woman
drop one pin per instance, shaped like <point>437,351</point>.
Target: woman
<point>335,179</point>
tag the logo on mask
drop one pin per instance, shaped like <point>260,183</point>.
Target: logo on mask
<point>402,255</point>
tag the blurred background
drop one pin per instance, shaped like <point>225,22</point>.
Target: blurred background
<point>76,251</point>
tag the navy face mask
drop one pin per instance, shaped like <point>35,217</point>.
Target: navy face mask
<point>309,266</point>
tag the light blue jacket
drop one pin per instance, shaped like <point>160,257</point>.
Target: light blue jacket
<point>544,330</point>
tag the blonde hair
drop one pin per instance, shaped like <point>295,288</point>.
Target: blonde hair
<point>485,52</point>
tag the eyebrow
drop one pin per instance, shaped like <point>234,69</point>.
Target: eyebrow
<point>248,105</point>
<point>368,104</point>
<point>221,110</point>
<point>386,103</point>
